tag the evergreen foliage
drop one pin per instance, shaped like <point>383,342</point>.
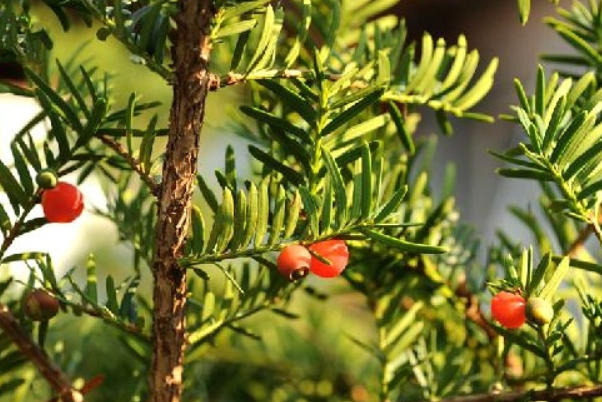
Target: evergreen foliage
<point>335,95</point>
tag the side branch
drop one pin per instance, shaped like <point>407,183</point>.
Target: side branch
<point>550,395</point>
<point>473,309</point>
<point>216,82</point>
<point>133,162</point>
<point>55,377</point>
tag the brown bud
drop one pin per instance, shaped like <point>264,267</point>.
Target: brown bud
<point>39,305</point>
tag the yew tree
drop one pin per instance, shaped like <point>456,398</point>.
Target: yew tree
<point>330,267</point>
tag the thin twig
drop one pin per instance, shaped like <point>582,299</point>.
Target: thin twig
<point>133,162</point>
<point>583,235</point>
<point>576,246</point>
<point>108,317</point>
<point>216,81</point>
<point>550,395</point>
<point>473,309</point>
<point>16,228</point>
<point>55,377</point>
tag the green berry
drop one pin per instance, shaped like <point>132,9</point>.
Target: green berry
<point>47,179</point>
<point>539,310</point>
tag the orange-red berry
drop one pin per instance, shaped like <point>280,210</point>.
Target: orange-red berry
<point>293,262</point>
<point>335,251</point>
<point>62,203</point>
<point>509,309</point>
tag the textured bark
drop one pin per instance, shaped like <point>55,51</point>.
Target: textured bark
<point>55,377</point>
<point>190,53</point>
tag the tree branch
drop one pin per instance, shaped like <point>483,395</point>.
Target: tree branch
<point>14,231</point>
<point>55,377</point>
<point>473,308</point>
<point>216,82</point>
<point>190,54</point>
<point>133,162</point>
<point>550,395</point>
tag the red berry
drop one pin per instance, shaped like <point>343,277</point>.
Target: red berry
<point>38,305</point>
<point>293,262</point>
<point>334,251</point>
<point>62,203</point>
<point>509,309</point>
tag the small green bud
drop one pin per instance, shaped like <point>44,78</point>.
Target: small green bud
<point>47,179</point>
<point>39,305</point>
<point>539,310</point>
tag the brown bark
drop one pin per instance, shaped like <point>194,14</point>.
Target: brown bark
<point>55,377</point>
<point>190,53</point>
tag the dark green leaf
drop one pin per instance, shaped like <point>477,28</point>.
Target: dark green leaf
<point>278,216</point>
<point>263,212</point>
<point>326,220</point>
<point>240,212</point>
<point>352,112</point>
<point>589,190</point>
<point>111,292</point>
<point>340,194</point>
<point>57,128</point>
<point>291,99</point>
<point>526,174</point>
<point>402,133</point>
<point>30,152</point>
<point>99,111</point>
<point>22,170</point>
<point>223,225</point>
<point>147,143</point>
<point>272,163</point>
<point>402,245</point>
<point>522,341</point>
<point>276,122</point>
<point>12,188</point>
<point>366,202</point>
<point>5,224</point>
<point>539,273</point>
<point>264,47</point>
<point>66,77</point>
<point>128,308</point>
<point>207,193</point>
<point>31,224</point>
<point>392,205</point>
<point>310,206</point>
<point>239,50</point>
<point>292,215</point>
<point>30,255</point>
<point>252,215</point>
<point>68,111</point>
<point>583,161</point>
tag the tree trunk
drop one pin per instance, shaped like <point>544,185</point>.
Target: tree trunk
<point>190,52</point>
